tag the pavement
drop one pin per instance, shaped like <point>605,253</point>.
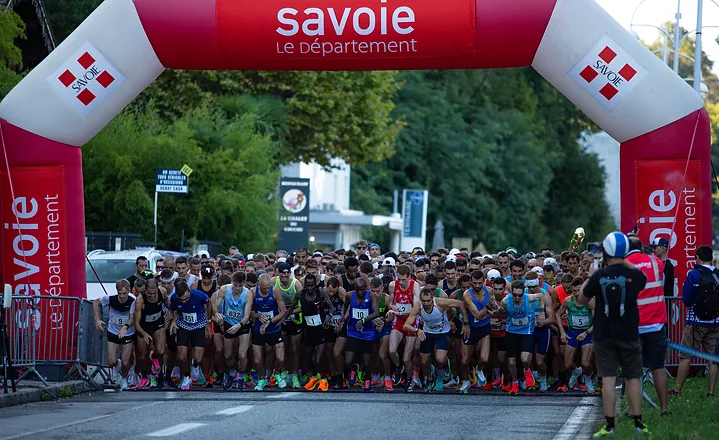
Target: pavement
<point>29,391</point>
<point>273,415</point>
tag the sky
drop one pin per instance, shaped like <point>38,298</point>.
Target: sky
<point>657,12</point>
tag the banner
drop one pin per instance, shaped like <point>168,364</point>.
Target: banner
<point>294,213</point>
<point>347,29</point>
<point>414,218</point>
<point>668,206</point>
<point>34,245</point>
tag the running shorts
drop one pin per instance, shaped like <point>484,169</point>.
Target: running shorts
<point>359,346</point>
<point>399,326</point>
<point>654,349</point>
<point>386,330</point>
<point>313,336</point>
<point>497,344</point>
<point>572,339</point>
<point>171,341</point>
<point>245,329</point>
<point>128,339</point>
<point>291,328</point>
<point>517,344</point>
<point>270,339</point>
<point>191,338</point>
<point>476,334</point>
<point>541,340</point>
<point>441,340</point>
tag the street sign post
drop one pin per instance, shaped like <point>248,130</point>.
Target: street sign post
<point>414,218</point>
<point>170,180</point>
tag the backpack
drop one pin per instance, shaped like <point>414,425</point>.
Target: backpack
<point>706,304</point>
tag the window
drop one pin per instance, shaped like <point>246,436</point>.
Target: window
<point>109,270</point>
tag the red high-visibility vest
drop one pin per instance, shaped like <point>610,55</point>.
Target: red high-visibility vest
<point>652,309</point>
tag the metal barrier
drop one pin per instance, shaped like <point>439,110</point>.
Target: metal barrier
<point>676,321</point>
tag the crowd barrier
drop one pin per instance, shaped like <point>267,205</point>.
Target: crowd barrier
<point>676,321</point>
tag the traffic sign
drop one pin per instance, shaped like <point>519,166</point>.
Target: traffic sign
<point>186,170</point>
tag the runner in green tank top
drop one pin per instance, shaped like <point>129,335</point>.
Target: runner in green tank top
<point>291,324</point>
<point>577,335</point>
<point>383,325</point>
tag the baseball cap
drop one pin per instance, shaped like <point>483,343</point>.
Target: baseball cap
<point>492,274</point>
<point>282,260</point>
<point>550,261</point>
<point>486,256</point>
<point>250,256</point>
<point>454,251</point>
<point>389,261</point>
<point>451,258</point>
<point>539,270</point>
<point>511,250</point>
<point>318,254</point>
<point>660,242</point>
<point>284,268</point>
<point>203,254</point>
<point>207,271</point>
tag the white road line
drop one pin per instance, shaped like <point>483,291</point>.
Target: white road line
<point>77,422</point>
<point>174,430</point>
<point>283,395</point>
<point>234,410</point>
<point>171,395</point>
<point>576,420</point>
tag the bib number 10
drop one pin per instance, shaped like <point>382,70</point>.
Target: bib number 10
<point>360,313</point>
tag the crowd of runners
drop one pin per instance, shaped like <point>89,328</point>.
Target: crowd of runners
<point>448,320</point>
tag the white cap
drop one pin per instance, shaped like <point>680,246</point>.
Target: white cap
<point>485,256</point>
<point>539,270</point>
<point>250,257</point>
<point>203,254</point>
<point>451,258</point>
<point>282,260</point>
<point>318,254</point>
<point>550,261</point>
<point>375,265</point>
<point>493,273</point>
<point>454,251</point>
<point>389,261</point>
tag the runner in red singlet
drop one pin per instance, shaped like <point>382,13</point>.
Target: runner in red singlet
<point>404,294</point>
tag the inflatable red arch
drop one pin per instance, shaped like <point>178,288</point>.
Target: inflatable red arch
<point>124,45</point>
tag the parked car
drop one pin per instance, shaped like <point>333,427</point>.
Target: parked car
<point>112,266</point>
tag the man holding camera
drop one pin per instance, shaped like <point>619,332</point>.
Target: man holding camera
<point>616,287</point>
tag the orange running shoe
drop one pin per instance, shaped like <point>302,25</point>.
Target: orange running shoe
<point>529,378</point>
<point>313,383</point>
<point>562,389</point>
<point>273,381</point>
<point>324,385</point>
<point>497,383</point>
<point>507,388</point>
<point>388,385</point>
<point>515,389</point>
<point>487,386</point>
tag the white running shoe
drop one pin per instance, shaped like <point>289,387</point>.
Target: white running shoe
<point>124,385</point>
<point>465,386</point>
<point>452,383</point>
<point>480,378</point>
<point>575,375</point>
<point>186,384</point>
<point>416,382</point>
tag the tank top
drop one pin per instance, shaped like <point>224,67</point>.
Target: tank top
<point>435,322</point>
<point>561,296</point>
<point>346,284</point>
<point>266,305</point>
<point>404,298</point>
<point>580,318</point>
<point>480,305</point>
<point>288,294</point>
<point>382,305</point>
<point>449,290</point>
<point>520,319</point>
<point>357,312</point>
<point>337,304</point>
<point>313,311</point>
<point>153,313</point>
<point>209,291</point>
<point>233,308</point>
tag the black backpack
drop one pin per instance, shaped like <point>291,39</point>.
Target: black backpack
<point>706,304</point>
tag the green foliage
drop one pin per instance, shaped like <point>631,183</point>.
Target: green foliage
<point>66,15</point>
<point>11,28</point>
<point>228,199</point>
<point>498,152</point>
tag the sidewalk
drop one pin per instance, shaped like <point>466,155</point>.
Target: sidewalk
<point>29,391</point>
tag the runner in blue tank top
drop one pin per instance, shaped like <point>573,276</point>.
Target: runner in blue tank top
<point>520,328</point>
<point>189,322</point>
<point>268,310</point>
<point>362,309</point>
<point>480,304</point>
<point>544,318</point>
<point>232,310</point>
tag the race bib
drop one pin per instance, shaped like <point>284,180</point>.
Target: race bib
<point>190,318</point>
<point>404,308</point>
<point>360,313</point>
<point>436,327</point>
<point>153,318</point>
<point>335,320</point>
<point>269,314</point>
<point>313,321</point>
<point>291,317</point>
<point>579,321</point>
<point>237,314</point>
<point>120,319</point>
<point>520,322</point>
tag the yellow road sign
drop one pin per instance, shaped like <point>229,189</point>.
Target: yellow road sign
<point>186,170</point>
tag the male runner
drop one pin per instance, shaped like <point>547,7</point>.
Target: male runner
<point>268,310</point>
<point>498,321</point>
<point>362,308</point>
<point>479,303</point>
<point>292,322</point>
<point>503,263</point>
<point>577,336</point>
<point>336,334</point>
<point>383,328</point>
<point>190,310</point>
<point>150,325</point>
<point>233,314</point>
<point>544,317</point>
<point>120,328</point>
<point>405,294</point>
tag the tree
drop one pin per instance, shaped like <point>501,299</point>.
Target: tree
<point>11,28</point>
<point>230,190</point>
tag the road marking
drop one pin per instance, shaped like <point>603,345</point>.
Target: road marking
<point>234,410</point>
<point>78,422</point>
<point>283,395</point>
<point>576,420</point>
<point>171,395</point>
<point>174,430</point>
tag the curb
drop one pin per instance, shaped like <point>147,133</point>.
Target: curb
<point>31,395</point>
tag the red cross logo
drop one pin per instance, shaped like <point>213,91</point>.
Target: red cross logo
<point>104,78</point>
<point>609,90</point>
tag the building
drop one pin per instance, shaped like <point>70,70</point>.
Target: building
<point>332,223</point>
<point>607,149</point>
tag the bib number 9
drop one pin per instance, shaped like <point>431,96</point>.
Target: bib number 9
<point>121,319</point>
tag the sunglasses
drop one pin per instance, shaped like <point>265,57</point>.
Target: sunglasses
<point>362,247</point>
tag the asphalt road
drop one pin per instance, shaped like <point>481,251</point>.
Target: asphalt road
<point>214,414</point>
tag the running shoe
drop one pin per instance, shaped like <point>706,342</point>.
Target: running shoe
<point>497,383</point>
<point>388,385</point>
<point>464,389</point>
<point>228,383</point>
<point>410,386</point>
<point>240,382</point>
<point>123,384</point>
<point>143,384</point>
<point>515,389</point>
<point>416,382</point>
<point>304,378</point>
<point>562,388</point>
<point>367,386</point>
<point>281,383</point>
<point>353,377</point>
<point>201,380</point>
<point>642,431</point>
<point>543,386</point>
<point>296,383</point>
<point>428,386</point>
<point>507,388</point>
<point>186,384</point>
<point>212,378</point>
<point>273,381</point>
<point>398,377</point>
<point>575,375</point>
<point>132,378</point>
<point>360,377</point>
<point>529,379</point>
<point>438,384</point>
<point>261,384</point>
<point>153,382</point>
<point>487,387</point>
<point>176,376</point>
<point>194,374</point>
<point>481,380</point>
<point>376,381</point>
<point>155,363</point>
<point>312,383</point>
<point>451,383</point>
<point>324,385</point>
<point>604,432</point>
<point>254,378</point>
<point>590,387</point>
